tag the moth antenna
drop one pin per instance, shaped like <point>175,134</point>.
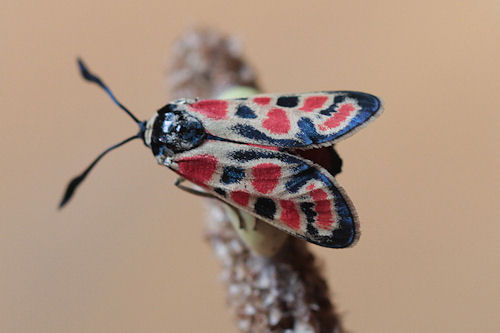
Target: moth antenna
<point>75,182</point>
<point>87,75</point>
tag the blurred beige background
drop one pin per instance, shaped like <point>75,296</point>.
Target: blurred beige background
<point>127,254</point>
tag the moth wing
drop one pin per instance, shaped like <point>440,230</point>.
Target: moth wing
<point>290,192</point>
<point>288,121</point>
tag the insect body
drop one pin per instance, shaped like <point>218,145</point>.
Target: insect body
<point>248,153</point>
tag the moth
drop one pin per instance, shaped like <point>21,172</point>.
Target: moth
<point>252,153</point>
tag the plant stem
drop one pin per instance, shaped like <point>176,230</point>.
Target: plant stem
<point>285,292</point>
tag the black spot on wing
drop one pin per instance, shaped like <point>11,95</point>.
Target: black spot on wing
<point>288,101</point>
<point>245,112</point>
<point>220,191</point>
<point>307,208</point>
<point>331,108</point>
<point>232,174</point>
<point>259,137</point>
<point>244,156</point>
<point>265,207</point>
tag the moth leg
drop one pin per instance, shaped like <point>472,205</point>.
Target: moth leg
<point>240,218</point>
<point>241,221</point>
<point>178,184</point>
<point>191,190</point>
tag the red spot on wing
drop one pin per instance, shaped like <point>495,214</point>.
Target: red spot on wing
<point>323,208</point>
<point>212,108</point>
<point>199,169</point>
<point>277,121</point>
<point>262,100</point>
<point>265,177</point>
<point>240,197</point>
<point>314,102</point>
<point>289,214</point>
<point>342,113</point>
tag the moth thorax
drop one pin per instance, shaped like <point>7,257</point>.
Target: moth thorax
<point>148,132</point>
<point>175,131</point>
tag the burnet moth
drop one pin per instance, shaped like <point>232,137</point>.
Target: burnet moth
<point>268,155</point>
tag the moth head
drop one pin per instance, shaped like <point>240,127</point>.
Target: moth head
<point>171,131</point>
